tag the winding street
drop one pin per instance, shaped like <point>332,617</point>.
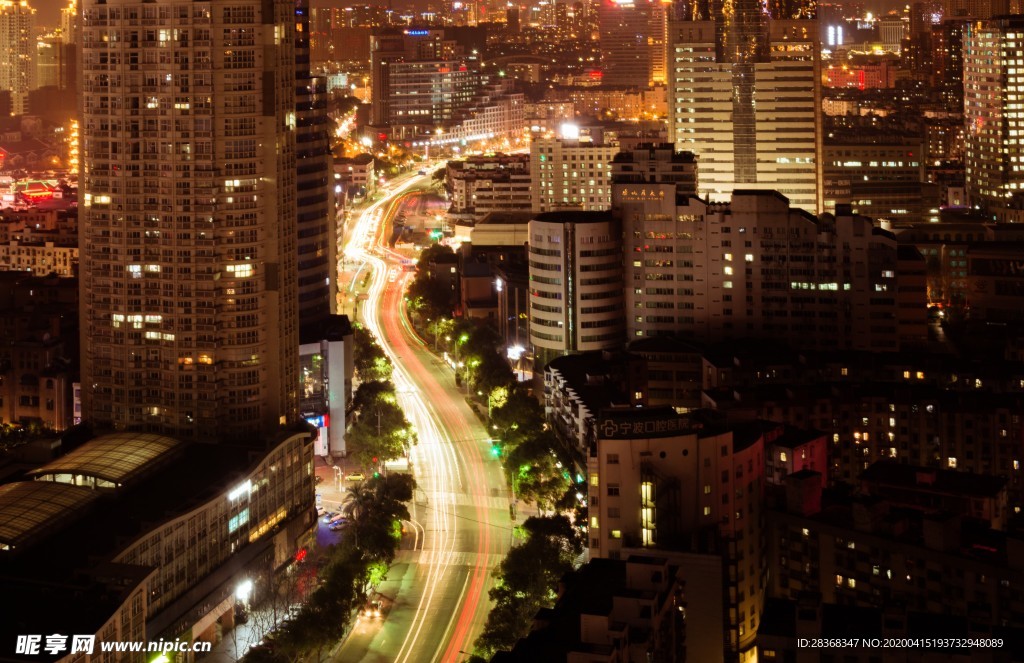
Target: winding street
<point>436,593</point>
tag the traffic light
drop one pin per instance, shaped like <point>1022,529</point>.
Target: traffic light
<point>495,449</point>
<point>376,475</point>
<point>374,460</point>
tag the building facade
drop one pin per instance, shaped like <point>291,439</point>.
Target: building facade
<point>570,174</point>
<point>576,294</point>
<point>188,212</point>
<point>632,40</point>
<point>654,480</point>
<point>17,52</point>
<point>759,268</point>
<point>750,113</point>
<point>480,185</point>
<point>993,101</point>
<point>317,244</point>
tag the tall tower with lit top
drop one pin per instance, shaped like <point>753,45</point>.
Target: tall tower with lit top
<point>17,52</point>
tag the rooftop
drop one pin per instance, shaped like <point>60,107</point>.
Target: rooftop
<point>26,506</point>
<point>934,480</point>
<point>116,458</point>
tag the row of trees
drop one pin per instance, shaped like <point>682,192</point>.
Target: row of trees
<point>348,571</point>
<point>379,430</point>
<point>526,581</point>
<point>375,508</point>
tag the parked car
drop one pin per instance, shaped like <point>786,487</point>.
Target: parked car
<point>355,476</point>
<point>320,510</point>
<point>335,527</point>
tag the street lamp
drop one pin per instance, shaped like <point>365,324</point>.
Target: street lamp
<point>458,364</point>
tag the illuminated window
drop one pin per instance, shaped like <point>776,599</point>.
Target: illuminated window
<point>241,270</point>
<point>951,461</point>
<point>595,480</point>
<point>593,522</point>
<point>707,511</point>
<point>783,457</point>
<point>728,270</point>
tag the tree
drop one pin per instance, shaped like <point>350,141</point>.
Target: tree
<point>534,473</point>
<point>527,579</point>
<point>358,501</point>
<point>370,361</point>
<point>518,418</point>
<point>381,431</point>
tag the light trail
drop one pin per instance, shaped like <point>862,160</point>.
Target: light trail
<point>451,466</point>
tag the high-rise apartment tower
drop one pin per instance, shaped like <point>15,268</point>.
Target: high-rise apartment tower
<point>994,110</point>
<point>17,52</point>
<point>188,217</point>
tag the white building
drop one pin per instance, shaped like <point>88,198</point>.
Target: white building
<point>571,174</point>
<point>575,283</point>
<point>755,124</point>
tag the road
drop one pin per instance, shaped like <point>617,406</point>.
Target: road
<point>436,594</point>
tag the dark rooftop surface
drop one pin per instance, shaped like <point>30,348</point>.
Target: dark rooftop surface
<point>934,480</point>
<point>574,216</point>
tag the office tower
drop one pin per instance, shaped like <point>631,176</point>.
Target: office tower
<point>188,277</point>
<point>924,16</point>
<point>632,42</point>
<point>575,283</point>
<point>317,258</point>
<point>948,61</point>
<point>744,97</point>
<point>419,81</point>
<point>571,174</point>
<point>17,52</point>
<point>993,105</point>
<point>48,57</point>
<point>891,31</point>
<point>648,186</point>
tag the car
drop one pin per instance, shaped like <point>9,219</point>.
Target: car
<point>329,515</point>
<point>423,172</point>
<point>355,476</point>
<point>320,510</point>
<point>372,609</point>
<point>335,527</point>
